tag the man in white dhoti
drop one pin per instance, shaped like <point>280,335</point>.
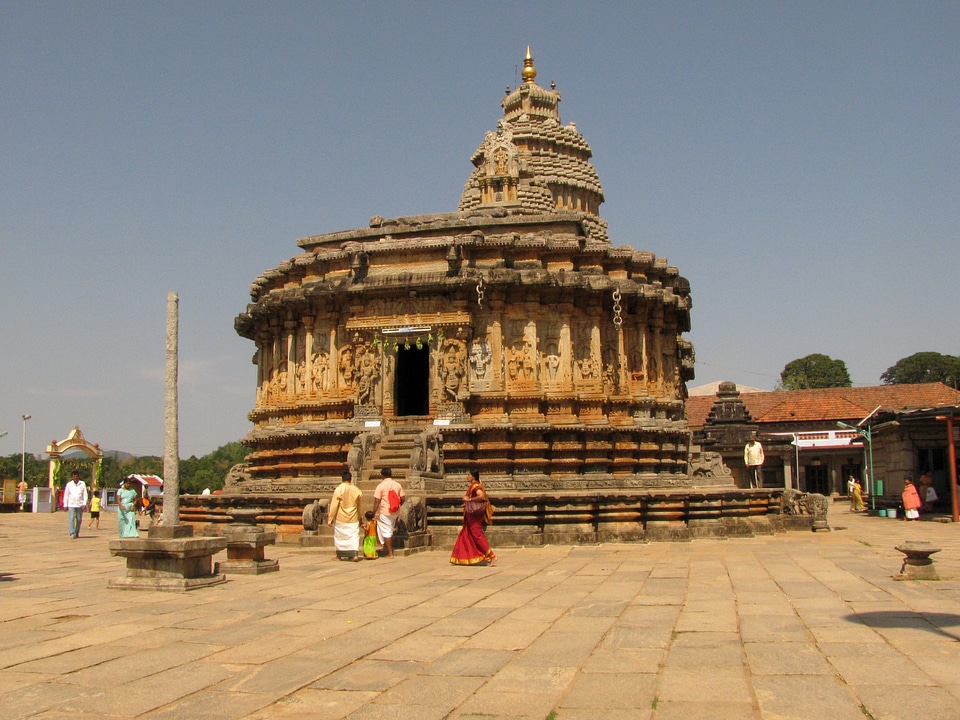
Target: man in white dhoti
<point>387,499</point>
<point>344,517</point>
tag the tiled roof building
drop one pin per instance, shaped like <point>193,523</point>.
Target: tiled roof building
<point>816,439</point>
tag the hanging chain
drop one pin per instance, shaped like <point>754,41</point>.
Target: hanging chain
<point>617,320</point>
<point>480,287</point>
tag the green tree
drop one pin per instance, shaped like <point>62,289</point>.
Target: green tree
<point>814,371</point>
<point>35,469</point>
<point>196,473</point>
<point>922,367</point>
<point>209,471</point>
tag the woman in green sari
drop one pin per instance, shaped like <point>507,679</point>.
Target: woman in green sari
<point>127,511</point>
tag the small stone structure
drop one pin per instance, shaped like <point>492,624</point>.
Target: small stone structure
<point>245,544</point>
<point>811,505</point>
<point>917,563</point>
<point>161,561</point>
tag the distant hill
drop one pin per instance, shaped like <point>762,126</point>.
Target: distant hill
<point>118,455</point>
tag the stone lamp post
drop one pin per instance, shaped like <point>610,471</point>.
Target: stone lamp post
<point>169,558</point>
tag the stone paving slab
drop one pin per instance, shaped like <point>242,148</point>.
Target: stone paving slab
<point>799,625</point>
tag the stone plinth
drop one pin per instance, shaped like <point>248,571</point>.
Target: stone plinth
<point>245,544</point>
<point>917,564</point>
<point>173,564</point>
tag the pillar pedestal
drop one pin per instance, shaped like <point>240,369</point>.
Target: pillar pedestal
<point>917,565</point>
<point>245,544</point>
<point>168,559</point>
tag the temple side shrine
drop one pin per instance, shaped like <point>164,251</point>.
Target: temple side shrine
<point>510,336</point>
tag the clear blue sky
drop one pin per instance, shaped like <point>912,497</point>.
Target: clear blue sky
<point>799,162</point>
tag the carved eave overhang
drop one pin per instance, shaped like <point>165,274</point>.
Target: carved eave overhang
<point>422,227</point>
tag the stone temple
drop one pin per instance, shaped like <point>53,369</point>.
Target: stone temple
<point>510,336</point>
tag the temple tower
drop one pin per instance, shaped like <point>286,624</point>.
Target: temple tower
<point>510,335</point>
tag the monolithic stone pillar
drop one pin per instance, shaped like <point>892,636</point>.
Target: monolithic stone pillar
<point>171,430</point>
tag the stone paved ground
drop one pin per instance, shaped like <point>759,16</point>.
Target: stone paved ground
<point>799,625</point>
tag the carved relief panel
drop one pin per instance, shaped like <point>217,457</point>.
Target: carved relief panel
<point>481,364</point>
<point>520,355</point>
<point>452,370</point>
<point>320,362</point>
<point>367,373</point>
<point>300,363</point>
<point>586,360</point>
<point>551,362</point>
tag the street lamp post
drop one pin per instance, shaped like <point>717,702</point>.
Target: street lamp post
<point>23,449</point>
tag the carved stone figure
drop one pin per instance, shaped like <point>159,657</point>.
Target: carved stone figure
<point>348,370</point>
<point>368,375</point>
<point>412,519</point>
<point>480,357</point>
<point>552,361</point>
<point>355,457</point>
<point>320,368</point>
<point>710,464</point>
<point>451,374</point>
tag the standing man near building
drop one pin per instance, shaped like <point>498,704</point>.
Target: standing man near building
<point>753,459</point>
<point>22,488</point>
<point>344,517</point>
<point>75,500</point>
<point>387,499</point>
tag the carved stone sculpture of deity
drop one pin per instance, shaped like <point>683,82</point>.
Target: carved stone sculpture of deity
<point>320,368</point>
<point>348,370</point>
<point>452,372</point>
<point>552,362</point>
<point>480,358</point>
<point>369,373</point>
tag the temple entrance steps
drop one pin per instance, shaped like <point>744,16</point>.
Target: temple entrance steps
<point>394,452</point>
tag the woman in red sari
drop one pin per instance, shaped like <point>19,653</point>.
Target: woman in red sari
<point>472,547</point>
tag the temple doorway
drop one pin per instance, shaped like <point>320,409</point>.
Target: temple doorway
<point>412,389</point>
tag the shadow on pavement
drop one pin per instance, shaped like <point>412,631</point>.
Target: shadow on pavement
<point>931,622</point>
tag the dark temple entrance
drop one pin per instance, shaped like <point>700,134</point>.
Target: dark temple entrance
<point>413,381</point>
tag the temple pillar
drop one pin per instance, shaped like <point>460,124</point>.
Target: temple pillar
<point>566,347</point>
<point>274,362</point>
<point>290,338</point>
<point>307,390</point>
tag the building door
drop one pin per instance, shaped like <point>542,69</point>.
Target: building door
<point>847,472</point>
<point>816,479</point>
<point>934,461</point>
<point>412,389</point>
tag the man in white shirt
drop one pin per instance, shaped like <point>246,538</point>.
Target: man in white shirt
<point>75,500</point>
<point>753,459</point>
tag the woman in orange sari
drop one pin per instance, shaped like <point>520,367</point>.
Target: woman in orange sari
<point>472,547</point>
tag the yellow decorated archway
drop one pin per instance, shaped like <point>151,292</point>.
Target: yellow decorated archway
<point>74,441</point>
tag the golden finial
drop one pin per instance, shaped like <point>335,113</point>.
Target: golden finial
<point>529,72</point>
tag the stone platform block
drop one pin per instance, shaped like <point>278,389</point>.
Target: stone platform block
<point>245,550</point>
<point>173,564</point>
